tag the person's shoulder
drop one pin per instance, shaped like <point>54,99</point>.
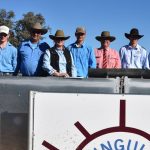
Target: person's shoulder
<point>124,47</point>
<point>12,46</point>
<point>113,50</point>
<point>87,46</point>
<point>44,44</point>
<point>141,47</point>
<point>71,45</point>
<point>24,42</point>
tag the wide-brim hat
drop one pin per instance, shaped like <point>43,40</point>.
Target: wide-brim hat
<point>59,34</point>
<point>38,28</point>
<point>134,33</point>
<point>105,35</point>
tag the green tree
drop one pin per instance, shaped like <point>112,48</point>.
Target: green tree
<point>7,19</point>
<point>19,30</point>
<point>23,25</point>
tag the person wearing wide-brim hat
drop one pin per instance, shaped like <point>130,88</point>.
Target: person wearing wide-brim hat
<point>59,35</point>
<point>106,57</point>
<point>134,34</point>
<point>133,55</point>
<point>31,52</point>
<point>58,60</point>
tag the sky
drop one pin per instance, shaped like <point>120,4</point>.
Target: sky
<point>116,16</point>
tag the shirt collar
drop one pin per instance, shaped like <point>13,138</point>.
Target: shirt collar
<point>82,45</point>
<point>7,44</point>
<point>30,44</point>
<point>137,47</point>
<point>103,49</point>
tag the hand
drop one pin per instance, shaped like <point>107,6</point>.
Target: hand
<point>57,74</point>
<point>63,75</point>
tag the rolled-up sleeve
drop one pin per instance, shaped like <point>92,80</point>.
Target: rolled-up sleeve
<point>46,63</point>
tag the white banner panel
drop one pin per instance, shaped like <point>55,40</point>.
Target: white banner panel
<point>68,121</point>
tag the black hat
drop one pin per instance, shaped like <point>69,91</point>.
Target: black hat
<point>134,33</point>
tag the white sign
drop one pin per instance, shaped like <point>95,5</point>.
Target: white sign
<point>68,121</point>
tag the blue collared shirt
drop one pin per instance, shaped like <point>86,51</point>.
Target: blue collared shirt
<point>8,58</point>
<point>62,63</point>
<point>84,58</point>
<point>134,57</point>
<point>31,57</point>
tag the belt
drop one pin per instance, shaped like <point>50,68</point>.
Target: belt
<point>6,73</point>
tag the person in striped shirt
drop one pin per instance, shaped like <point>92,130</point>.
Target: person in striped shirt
<point>106,57</point>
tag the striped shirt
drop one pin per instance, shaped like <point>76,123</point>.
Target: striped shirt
<point>112,57</point>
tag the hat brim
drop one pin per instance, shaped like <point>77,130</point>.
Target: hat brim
<point>128,36</point>
<point>100,38</point>
<point>58,37</point>
<point>43,31</point>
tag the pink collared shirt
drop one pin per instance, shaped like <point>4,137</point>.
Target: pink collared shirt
<point>113,58</point>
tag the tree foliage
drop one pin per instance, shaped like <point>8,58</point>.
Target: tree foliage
<point>20,28</point>
<point>7,18</point>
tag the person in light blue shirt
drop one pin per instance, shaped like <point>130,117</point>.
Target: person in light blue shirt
<point>133,55</point>
<point>8,53</point>
<point>83,54</point>
<point>30,52</point>
<point>58,60</point>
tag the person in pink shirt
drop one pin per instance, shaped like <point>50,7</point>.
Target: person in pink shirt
<point>106,57</point>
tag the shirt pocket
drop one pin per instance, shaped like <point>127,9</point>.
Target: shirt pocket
<point>137,57</point>
<point>112,61</point>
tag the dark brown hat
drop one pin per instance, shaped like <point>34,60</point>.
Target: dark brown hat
<point>59,34</point>
<point>105,35</point>
<point>37,27</point>
<point>134,33</point>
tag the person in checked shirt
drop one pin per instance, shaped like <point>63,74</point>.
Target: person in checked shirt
<point>106,57</point>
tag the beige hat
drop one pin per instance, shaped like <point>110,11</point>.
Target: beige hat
<point>59,34</point>
<point>4,29</point>
<point>80,30</point>
<point>37,27</point>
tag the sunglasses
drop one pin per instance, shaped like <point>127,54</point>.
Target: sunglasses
<point>80,34</point>
<point>3,34</point>
<point>59,39</point>
<point>36,32</point>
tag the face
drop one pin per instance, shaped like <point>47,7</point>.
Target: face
<point>105,43</point>
<point>36,36</point>
<point>4,37</point>
<point>80,37</point>
<point>133,41</point>
<point>59,42</point>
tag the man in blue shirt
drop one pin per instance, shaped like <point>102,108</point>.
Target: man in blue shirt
<point>83,54</point>
<point>133,55</point>
<point>30,53</point>
<point>58,60</point>
<point>8,53</point>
